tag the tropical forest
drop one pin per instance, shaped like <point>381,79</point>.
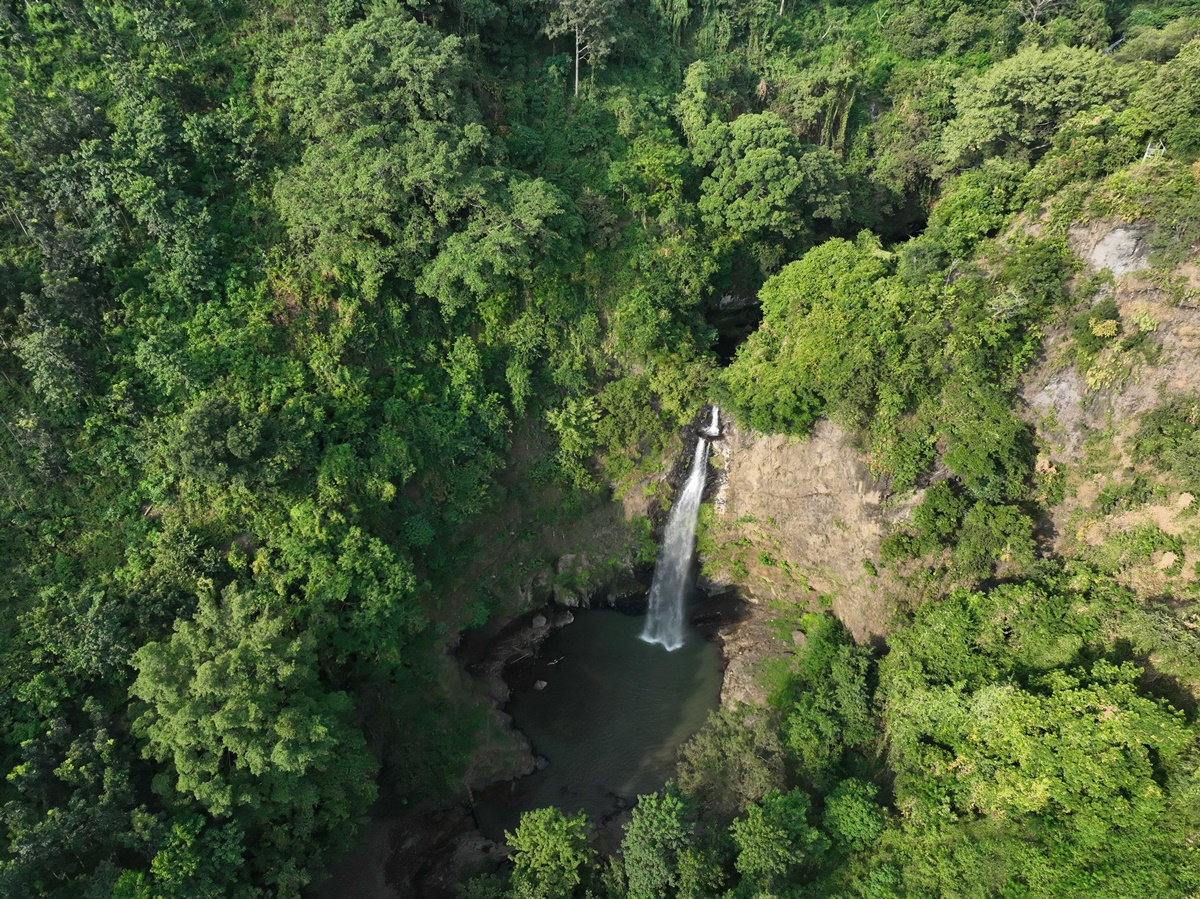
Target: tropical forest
<point>599,449</point>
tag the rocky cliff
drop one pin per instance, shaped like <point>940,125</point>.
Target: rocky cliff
<point>795,522</point>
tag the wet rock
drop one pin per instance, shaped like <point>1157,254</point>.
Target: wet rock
<point>540,763</point>
<point>539,685</point>
<point>458,858</point>
<point>571,562</point>
<point>535,591</point>
<point>733,302</point>
<point>567,597</point>
<point>711,588</point>
<point>562,619</point>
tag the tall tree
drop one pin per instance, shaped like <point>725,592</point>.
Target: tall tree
<point>590,21</point>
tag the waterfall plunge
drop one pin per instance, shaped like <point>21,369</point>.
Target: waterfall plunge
<point>664,619</point>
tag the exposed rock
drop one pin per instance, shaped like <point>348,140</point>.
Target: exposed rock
<point>562,619</point>
<point>745,644</point>
<point>539,685</point>
<point>571,563</point>
<point>732,302</point>
<point>1063,408</point>
<point>567,597</point>
<point>571,573</point>
<point>1168,559</point>
<point>799,638</point>
<point>459,857</point>
<point>540,763</point>
<point>817,506</point>
<point>539,621</point>
<point>712,588</point>
<point>721,489</point>
<point>1121,249</point>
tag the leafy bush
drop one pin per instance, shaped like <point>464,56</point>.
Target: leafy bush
<point>992,534</point>
<point>852,817</point>
<point>551,856</point>
<point>1168,439</point>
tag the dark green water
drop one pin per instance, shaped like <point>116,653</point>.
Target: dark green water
<point>610,720</point>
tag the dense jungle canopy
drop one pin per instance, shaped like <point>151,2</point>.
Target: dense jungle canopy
<point>285,285</point>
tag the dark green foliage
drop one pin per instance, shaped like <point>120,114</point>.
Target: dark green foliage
<point>733,761</point>
<point>991,534</point>
<point>852,818</point>
<point>1095,327</point>
<point>935,524</point>
<point>824,698</point>
<point>284,286</point>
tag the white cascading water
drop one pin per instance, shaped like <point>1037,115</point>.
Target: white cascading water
<point>668,591</point>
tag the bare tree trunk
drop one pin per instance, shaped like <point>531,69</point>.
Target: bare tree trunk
<point>576,60</point>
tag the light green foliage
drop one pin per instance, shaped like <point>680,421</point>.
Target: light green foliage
<point>195,863</point>
<point>822,349</point>
<point>550,854</point>
<point>764,180</point>
<point>999,715</point>
<point>1015,106</point>
<point>843,336</point>
<point>976,204</point>
<point>656,841</point>
<point>774,839</point>
<point>574,425</point>
<point>288,285</point>
<point>1169,440</point>
<point>234,703</point>
<point>1170,106</point>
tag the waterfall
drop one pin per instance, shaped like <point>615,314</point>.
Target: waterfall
<point>668,591</point>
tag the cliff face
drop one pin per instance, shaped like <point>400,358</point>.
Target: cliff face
<point>794,521</point>
<point>798,521</point>
<point>1067,405</point>
<point>1086,416</point>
